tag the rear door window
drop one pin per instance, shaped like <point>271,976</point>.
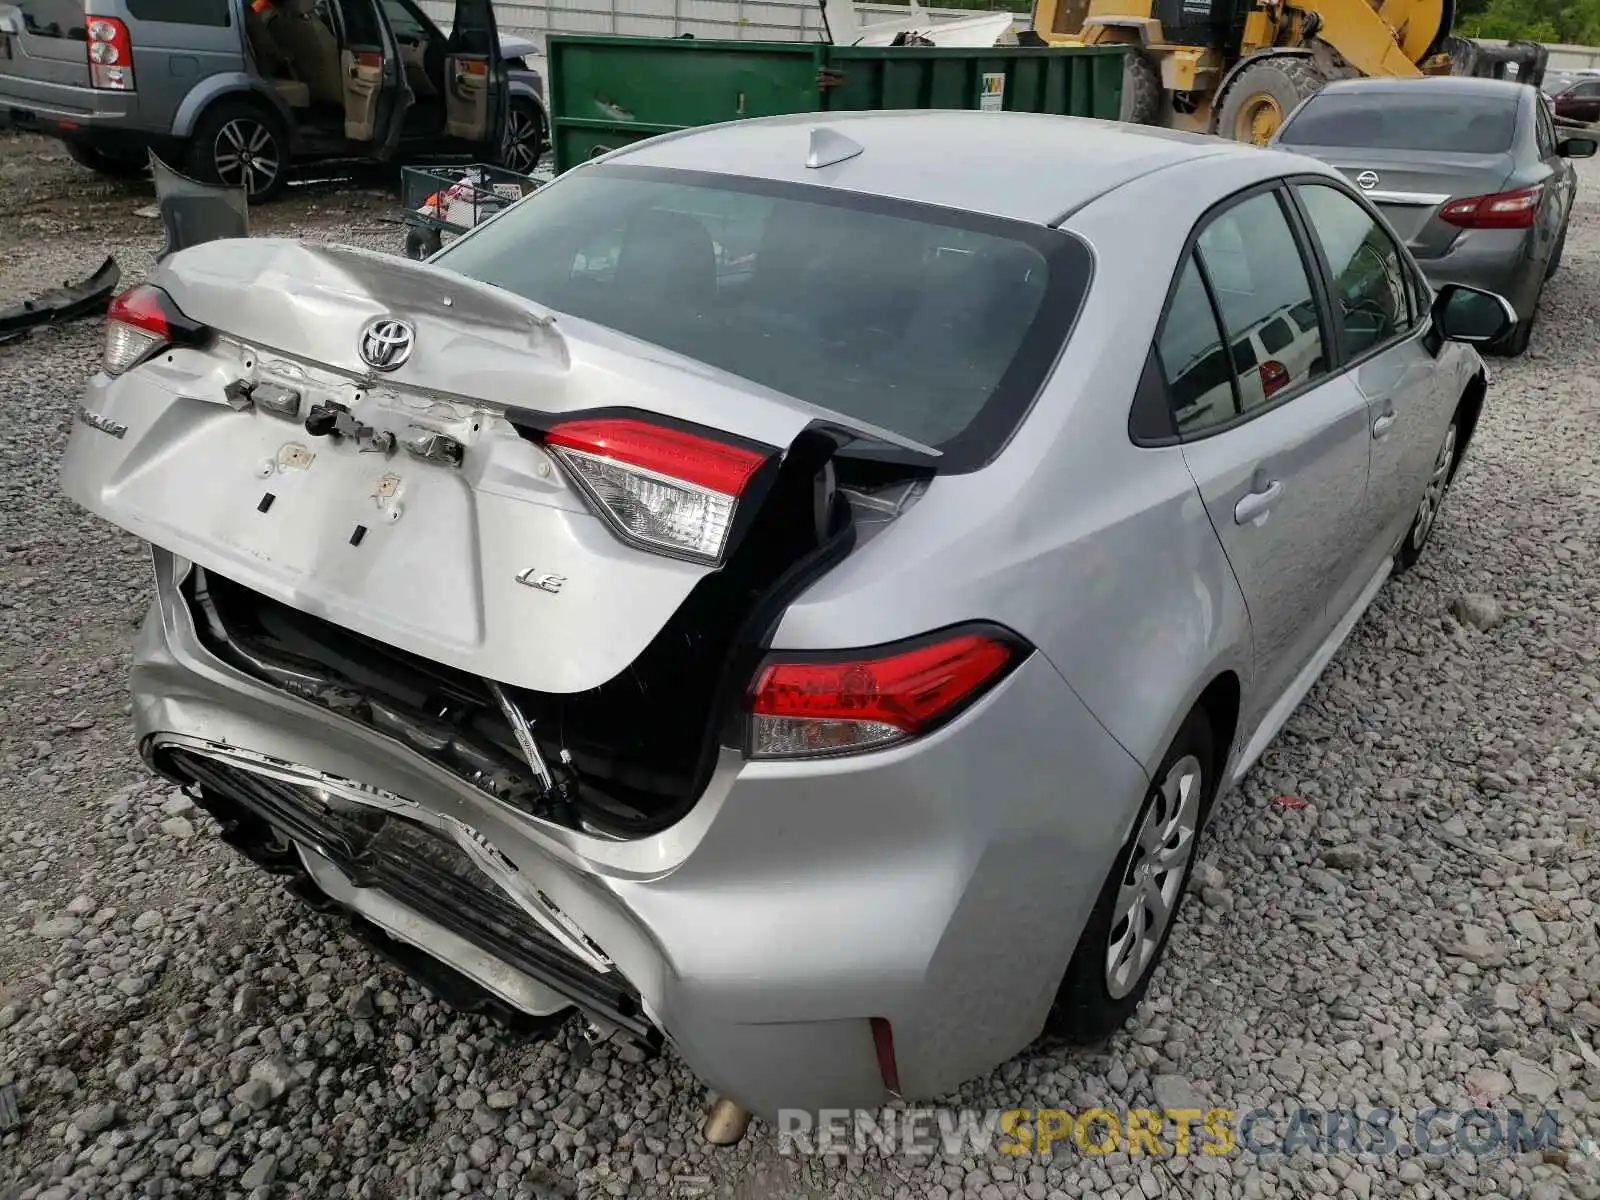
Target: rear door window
<point>1256,272</point>
<point>1373,302</point>
<point>1394,121</point>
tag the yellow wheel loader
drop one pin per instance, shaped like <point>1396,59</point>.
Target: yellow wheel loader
<point>1236,67</point>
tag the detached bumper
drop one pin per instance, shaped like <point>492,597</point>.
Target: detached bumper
<point>940,886</point>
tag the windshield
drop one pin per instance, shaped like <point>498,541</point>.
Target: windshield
<point>937,325</point>
<point>1390,121</point>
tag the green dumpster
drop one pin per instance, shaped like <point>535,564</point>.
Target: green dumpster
<point>608,91</point>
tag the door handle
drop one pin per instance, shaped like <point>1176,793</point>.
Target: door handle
<point>1383,424</point>
<point>1256,505</point>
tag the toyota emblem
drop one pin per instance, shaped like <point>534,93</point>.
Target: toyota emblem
<point>1368,180</point>
<point>386,343</point>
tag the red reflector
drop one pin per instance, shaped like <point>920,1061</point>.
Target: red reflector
<point>883,1040</point>
<point>702,461</point>
<point>1273,376</point>
<point>142,307</point>
<point>1502,210</point>
<point>369,58</point>
<point>906,690</point>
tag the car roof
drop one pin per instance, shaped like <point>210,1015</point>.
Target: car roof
<point>1432,86</point>
<point>1026,166</point>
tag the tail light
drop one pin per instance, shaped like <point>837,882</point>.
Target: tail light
<point>142,321</point>
<point>838,704</point>
<point>1273,376</point>
<point>1502,210</point>
<point>662,489</point>
<point>110,54</point>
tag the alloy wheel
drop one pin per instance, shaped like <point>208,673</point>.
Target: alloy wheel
<point>1433,494</point>
<point>246,155</point>
<point>1153,878</point>
<point>522,141</point>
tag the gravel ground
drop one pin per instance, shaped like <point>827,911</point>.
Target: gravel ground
<point>1422,932</point>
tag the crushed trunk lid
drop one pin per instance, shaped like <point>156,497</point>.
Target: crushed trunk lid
<point>490,560</point>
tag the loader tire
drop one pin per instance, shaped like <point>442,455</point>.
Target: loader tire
<point>1141,90</point>
<point>1263,94</point>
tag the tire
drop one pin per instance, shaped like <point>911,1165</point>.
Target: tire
<point>237,129</point>
<point>527,137</point>
<point>113,166</point>
<point>1101,988</point>
<point>1433,494</point>
<point>1555,255</point>
<point>1141,90</point>
<point>1264,93</point>
<point>423,243</point>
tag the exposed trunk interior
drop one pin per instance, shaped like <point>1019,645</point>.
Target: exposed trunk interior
<point>631,755</point>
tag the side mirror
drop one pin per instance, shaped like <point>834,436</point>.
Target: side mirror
<point>1577,147</point>
<point>1468,314</point>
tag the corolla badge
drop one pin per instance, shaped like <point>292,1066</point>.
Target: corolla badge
<point>386,343</point>
<point>1368,180</point>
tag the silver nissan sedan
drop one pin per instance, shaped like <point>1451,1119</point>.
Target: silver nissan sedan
<point>790,591</point>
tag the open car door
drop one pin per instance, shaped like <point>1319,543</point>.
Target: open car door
<point>475,79</point>
<point>377,95</point>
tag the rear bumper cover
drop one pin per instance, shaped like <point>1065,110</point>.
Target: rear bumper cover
<point>62,110</point>
<point>1498,260</point>
<point>940,886</point>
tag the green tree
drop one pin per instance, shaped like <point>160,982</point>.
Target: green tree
<point>1531,20</point>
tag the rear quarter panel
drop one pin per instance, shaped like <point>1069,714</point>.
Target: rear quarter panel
<point>1095,549</point>
<point>171,59</point>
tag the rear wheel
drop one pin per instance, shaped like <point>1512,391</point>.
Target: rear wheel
<point>1263,94</point>
<point>1134,914</point>
<point>1555,255</point>
<point>101,162</point>
<point>1432,501</point>
<point>1141,90</point>
<point>241,145</point>
<point>525,137</point>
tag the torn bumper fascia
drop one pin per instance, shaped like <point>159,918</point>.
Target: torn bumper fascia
<point>69,302</point>
<point>193,212</point>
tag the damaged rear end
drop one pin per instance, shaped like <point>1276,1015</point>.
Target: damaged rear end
<point>492,562</point>
<point>503,540</point>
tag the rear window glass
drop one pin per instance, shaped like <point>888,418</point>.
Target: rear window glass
<point>936,325</point>
<point>1389,121</point>
<point>52,18</point>
<point>1275,335</point>
<point>180,12</point>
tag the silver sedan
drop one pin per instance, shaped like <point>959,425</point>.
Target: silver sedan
<point>779,588</point>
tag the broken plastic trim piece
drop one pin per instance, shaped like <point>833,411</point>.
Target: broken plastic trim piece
<point>86,298</point>
<point>193,212</point>
<point>484,854</point>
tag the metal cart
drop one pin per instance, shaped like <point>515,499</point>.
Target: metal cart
<point>452,199</point>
